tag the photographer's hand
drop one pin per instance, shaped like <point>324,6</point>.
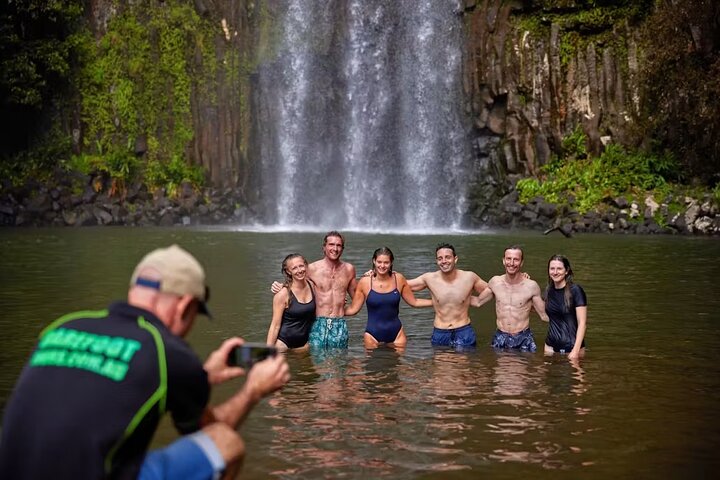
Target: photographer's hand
<point>216,364</point>
<point>263,379</point>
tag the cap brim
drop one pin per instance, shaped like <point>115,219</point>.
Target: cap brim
<point>203,308</point>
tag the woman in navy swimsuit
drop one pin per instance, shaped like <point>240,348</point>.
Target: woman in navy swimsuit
<point>381,292</point>
<point>566,305</point>
<point>293,306</point>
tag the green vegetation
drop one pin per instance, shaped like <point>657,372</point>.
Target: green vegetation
<point>131,86</point>
<point>137,84</point>
<point>588,182</point>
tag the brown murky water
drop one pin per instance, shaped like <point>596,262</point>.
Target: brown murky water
<point>643,403</point>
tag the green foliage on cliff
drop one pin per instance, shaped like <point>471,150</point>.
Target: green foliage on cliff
<point>136,86</point>
<point>582,22</point>
<point>587,182</point>
<point>128,90</point>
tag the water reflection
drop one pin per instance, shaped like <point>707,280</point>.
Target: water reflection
<point>425,413</point>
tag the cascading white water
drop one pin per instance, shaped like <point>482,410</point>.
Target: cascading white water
<point>364,116</point>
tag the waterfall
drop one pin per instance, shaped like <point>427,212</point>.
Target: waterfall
<point>362,116</point>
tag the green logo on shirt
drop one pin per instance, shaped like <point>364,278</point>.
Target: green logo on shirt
<point>100,354</point>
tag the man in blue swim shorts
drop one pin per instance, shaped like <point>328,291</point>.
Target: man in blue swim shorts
<point>451,290</point>
<point>515,294</point>
<point>333,280</point>
<point>98,383</point>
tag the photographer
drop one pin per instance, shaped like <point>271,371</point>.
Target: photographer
<point>90,398</point>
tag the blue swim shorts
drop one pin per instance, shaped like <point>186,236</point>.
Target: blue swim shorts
<point>329,332</point>
<point>523,340</point>
<point>454,337</point>
<point>192,457</point>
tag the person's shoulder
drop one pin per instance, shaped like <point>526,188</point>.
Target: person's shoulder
<point>495,279</point>
<point>469,274</point>
<point>283,293</point>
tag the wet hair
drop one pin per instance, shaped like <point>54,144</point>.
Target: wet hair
<point>382,251</point>
<point>283,268</point>
<point>568,280</point>
<point>288,275</point>
<point>445,245</point>
<point>334,233</point>
<point>515,247</point>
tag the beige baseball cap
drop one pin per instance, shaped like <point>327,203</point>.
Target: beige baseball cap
<point>179,274</point>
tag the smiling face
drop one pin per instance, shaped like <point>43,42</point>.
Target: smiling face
<point>296,268</point>
<point>446,260</point>
<point>382,264</point>
<point>557,273</point>
<point>512,261</point>
<point>333,248</point>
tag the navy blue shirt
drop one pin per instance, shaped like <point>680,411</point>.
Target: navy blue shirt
<point>89,400</point>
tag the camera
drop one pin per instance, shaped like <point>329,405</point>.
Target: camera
<point>248,354</point>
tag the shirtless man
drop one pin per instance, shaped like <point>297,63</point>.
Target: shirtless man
<point>514,295</point>
<point>333,279</point>
<point>451,290</point>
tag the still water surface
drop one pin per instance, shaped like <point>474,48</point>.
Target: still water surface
<point>643,403</point>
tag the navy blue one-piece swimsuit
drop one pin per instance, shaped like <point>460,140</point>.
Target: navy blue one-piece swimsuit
<point>383,314</point>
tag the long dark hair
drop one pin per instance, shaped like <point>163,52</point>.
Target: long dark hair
<point>568,280</point>
<point>382,251</point>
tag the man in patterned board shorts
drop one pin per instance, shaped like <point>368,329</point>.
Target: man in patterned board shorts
<point>333,279</point>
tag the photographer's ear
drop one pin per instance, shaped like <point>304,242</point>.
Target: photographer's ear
<point>186,311</point>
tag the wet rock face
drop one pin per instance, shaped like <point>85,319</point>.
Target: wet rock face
<point>525,88</point>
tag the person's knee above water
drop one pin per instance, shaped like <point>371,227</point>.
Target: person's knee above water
<point>98,383</point>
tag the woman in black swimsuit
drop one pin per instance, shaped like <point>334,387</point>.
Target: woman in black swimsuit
<point>293,306</point>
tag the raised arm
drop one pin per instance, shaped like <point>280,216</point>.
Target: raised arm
<point>407,293</point>
<point>279,302</point>
<point>417,284</point>
<point>539,303</point>
<point>264,378</point>
<point>480,285</point>
<point>358,298</point>
<point>581,314</point>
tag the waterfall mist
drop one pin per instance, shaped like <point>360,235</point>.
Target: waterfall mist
<point>362,107</point>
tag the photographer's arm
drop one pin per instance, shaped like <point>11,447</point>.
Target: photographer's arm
<point>263,379</point>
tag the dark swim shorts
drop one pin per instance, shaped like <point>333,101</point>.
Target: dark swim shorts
<point>454,337</point>
<point>520,341</point>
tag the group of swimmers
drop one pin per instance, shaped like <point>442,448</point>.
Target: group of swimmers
<point>309,307</point>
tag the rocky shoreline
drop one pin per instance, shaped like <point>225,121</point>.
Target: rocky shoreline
<point>617,215</point>
<point>66,205</point>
